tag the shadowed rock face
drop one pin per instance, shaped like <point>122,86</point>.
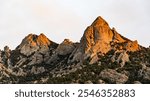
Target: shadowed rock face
<point>66,47</point>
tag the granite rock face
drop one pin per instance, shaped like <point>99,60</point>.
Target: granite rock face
<point>66,47</point>
<point>113,76</point>
<point>33,43</point>
<point>98,39</point>
<point>123,58</point>
<point>36,49</point>
<point>102,56</point>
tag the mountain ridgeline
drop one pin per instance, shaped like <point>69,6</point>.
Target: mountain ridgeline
<point>103,56</point>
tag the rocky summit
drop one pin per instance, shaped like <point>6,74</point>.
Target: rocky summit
<point>98,39</point>
<point>103,56</point>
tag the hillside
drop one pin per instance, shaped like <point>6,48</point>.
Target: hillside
<point>103,56</point>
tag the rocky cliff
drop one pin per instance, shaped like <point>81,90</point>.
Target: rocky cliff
<point>102,56</point>
<point>98,39</point>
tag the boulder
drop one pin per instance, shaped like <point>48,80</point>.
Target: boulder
<point>137,82</point>
<point>36,59</point>
<point>132,46</point>
<point>123,58</point>
<point>65,48</point>
<point>113,76</point>
<point>101,81</point>
<point>88,82</point>
<point>37,70</point>
<point>146,75</point>
<point>7,51</point>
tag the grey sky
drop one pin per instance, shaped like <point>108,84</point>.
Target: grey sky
<point>59,19</point>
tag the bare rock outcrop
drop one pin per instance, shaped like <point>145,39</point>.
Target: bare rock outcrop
<point>123,58</point>
<point>144,73</point>
<point>6,56</point>
<point>132,46</point>
<point>62,52</point>
<point>113,76</point>
<point>33,43</point>
<point>97,58</point>
<point>66,47</point>
<point>97,40</point>
<point>37,49</point>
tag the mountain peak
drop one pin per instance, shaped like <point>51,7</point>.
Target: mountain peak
<point>97,35</point>
<point>102,53</point>
<point>99,38</point>
<point>99,21</point>
<point>43,40</point>
<point>33,42</point>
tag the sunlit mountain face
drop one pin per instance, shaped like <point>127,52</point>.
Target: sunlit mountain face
<point>103,55</point>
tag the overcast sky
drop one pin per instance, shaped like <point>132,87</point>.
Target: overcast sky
<point>60,19</point>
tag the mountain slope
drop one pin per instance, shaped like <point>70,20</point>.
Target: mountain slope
<point>98,39</point>
<point>102,56</point>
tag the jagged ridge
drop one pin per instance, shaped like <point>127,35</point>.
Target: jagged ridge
<point>102,52</point>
